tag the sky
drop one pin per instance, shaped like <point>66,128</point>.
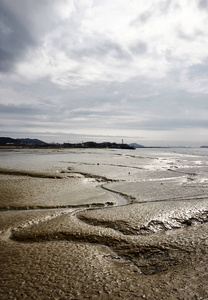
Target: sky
<point>103,70</point>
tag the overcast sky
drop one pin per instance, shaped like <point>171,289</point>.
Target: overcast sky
<point>104,70</point>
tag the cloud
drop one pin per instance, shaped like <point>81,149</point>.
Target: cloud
<point>23,110</point>
<point>104,66</point>
<point>15,38</point>
<point>198,70</point>
<point>139,48</point>
<point>203,4</point>
<point>95,42</point>
<point>23,26</point>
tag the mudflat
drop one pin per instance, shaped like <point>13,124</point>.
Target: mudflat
<point>104,224</point>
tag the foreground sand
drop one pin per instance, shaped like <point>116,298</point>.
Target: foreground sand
<point>65,236</point>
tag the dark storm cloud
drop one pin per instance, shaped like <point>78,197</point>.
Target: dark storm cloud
<point>22,26</point>
<point>203,4</point>
<point>15,38</point>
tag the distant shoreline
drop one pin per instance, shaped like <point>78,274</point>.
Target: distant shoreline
<point>80,147</point>
<point>10,143</point>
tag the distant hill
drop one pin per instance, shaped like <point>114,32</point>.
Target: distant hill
<point>28,141</point>
<point>135,145</point>
<point>204,147</point>
<point>7,141</point>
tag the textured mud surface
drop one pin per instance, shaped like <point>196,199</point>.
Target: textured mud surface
<point>147,218</point>
<point>103,225</point>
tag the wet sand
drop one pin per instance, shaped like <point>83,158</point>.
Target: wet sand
<point>103,224</point>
